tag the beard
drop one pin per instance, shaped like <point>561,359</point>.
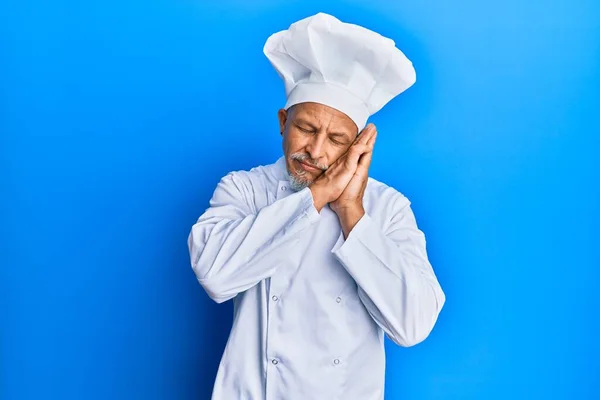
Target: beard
<point>298,183</point>
<point>300,179</point>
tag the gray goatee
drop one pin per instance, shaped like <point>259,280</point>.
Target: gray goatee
<point>299,179</point>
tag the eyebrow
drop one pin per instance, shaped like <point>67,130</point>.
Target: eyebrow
<point>305,122</point>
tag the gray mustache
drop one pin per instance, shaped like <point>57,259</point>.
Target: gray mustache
<point>306,159</point>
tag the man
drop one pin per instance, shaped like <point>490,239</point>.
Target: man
<point>320,260</point>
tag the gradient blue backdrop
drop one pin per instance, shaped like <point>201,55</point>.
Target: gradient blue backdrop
<point>117,119</point>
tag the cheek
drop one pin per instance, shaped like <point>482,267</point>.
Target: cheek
<point>294,142</point>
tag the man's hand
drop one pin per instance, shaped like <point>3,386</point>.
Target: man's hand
<point>349,205</point>
<point>352,196</point>
<point>344,182</point>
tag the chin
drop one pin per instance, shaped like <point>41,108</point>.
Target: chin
<point>299,177</point>
<point>298,183</point>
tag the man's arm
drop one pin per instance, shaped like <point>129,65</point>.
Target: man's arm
<point>396,282</point>
<point>232,247</point>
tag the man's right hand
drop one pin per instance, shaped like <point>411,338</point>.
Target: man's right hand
<point>330,185</point>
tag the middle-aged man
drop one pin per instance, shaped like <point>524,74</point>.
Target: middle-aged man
<point>319,259</point>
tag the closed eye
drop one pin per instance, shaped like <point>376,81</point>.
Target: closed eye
<point>305,130</point>
<point>338,139</point>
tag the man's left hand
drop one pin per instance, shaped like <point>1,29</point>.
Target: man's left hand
<point>349,206</point>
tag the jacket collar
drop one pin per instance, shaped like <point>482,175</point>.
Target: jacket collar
<point>280,169</point>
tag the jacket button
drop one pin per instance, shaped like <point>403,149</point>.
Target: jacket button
<point>339,299</point>
<point>274,361</point>
<point>336,361</point>
<point>275,298</point>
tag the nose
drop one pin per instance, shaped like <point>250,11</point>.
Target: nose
<point>315,147</point>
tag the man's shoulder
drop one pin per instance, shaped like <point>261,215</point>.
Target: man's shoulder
<point>384,194</point>
<point>254,186</point>
<point>263,175</point>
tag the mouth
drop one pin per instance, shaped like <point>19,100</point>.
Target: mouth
<point>308,167</point>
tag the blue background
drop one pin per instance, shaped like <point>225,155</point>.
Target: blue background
<point>118,118</point>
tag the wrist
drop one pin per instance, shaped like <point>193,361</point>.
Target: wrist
<point>320,195</point>
<point>349,217</point>
<point>350,211</point>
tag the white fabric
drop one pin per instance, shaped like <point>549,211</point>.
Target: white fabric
<point>344,66</point>
<point>310,308</point>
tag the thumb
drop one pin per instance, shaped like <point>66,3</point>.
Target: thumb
<point>364,163</point>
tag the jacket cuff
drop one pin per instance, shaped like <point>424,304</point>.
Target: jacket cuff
<point>361,228</point>
<point>308,204</point>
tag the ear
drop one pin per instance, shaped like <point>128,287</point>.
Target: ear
<point>282,115</point>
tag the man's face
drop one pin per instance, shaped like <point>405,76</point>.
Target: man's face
<point>314,136</point>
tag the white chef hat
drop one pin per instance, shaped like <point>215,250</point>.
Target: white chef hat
<point>341,65</point>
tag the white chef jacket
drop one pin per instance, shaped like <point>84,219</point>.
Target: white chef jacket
<point>310,308</point>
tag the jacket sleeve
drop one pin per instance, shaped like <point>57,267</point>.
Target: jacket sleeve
<point>396,282</point>
<point>232,247</point>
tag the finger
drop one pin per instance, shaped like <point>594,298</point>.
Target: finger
<point>365,159</point>
<point>366,134</point>
<point>355,152</point>
<point>358,150</point>
<point>364,162</point>
<point>360,141</point>
<point>371,141</point>
<point>363,136</point>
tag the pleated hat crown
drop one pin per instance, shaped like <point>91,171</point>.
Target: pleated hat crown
<point>344,66</point>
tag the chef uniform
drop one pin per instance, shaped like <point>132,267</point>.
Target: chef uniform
<point>311,308</point>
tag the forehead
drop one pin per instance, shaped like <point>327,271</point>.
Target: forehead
<point>320,114</point>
